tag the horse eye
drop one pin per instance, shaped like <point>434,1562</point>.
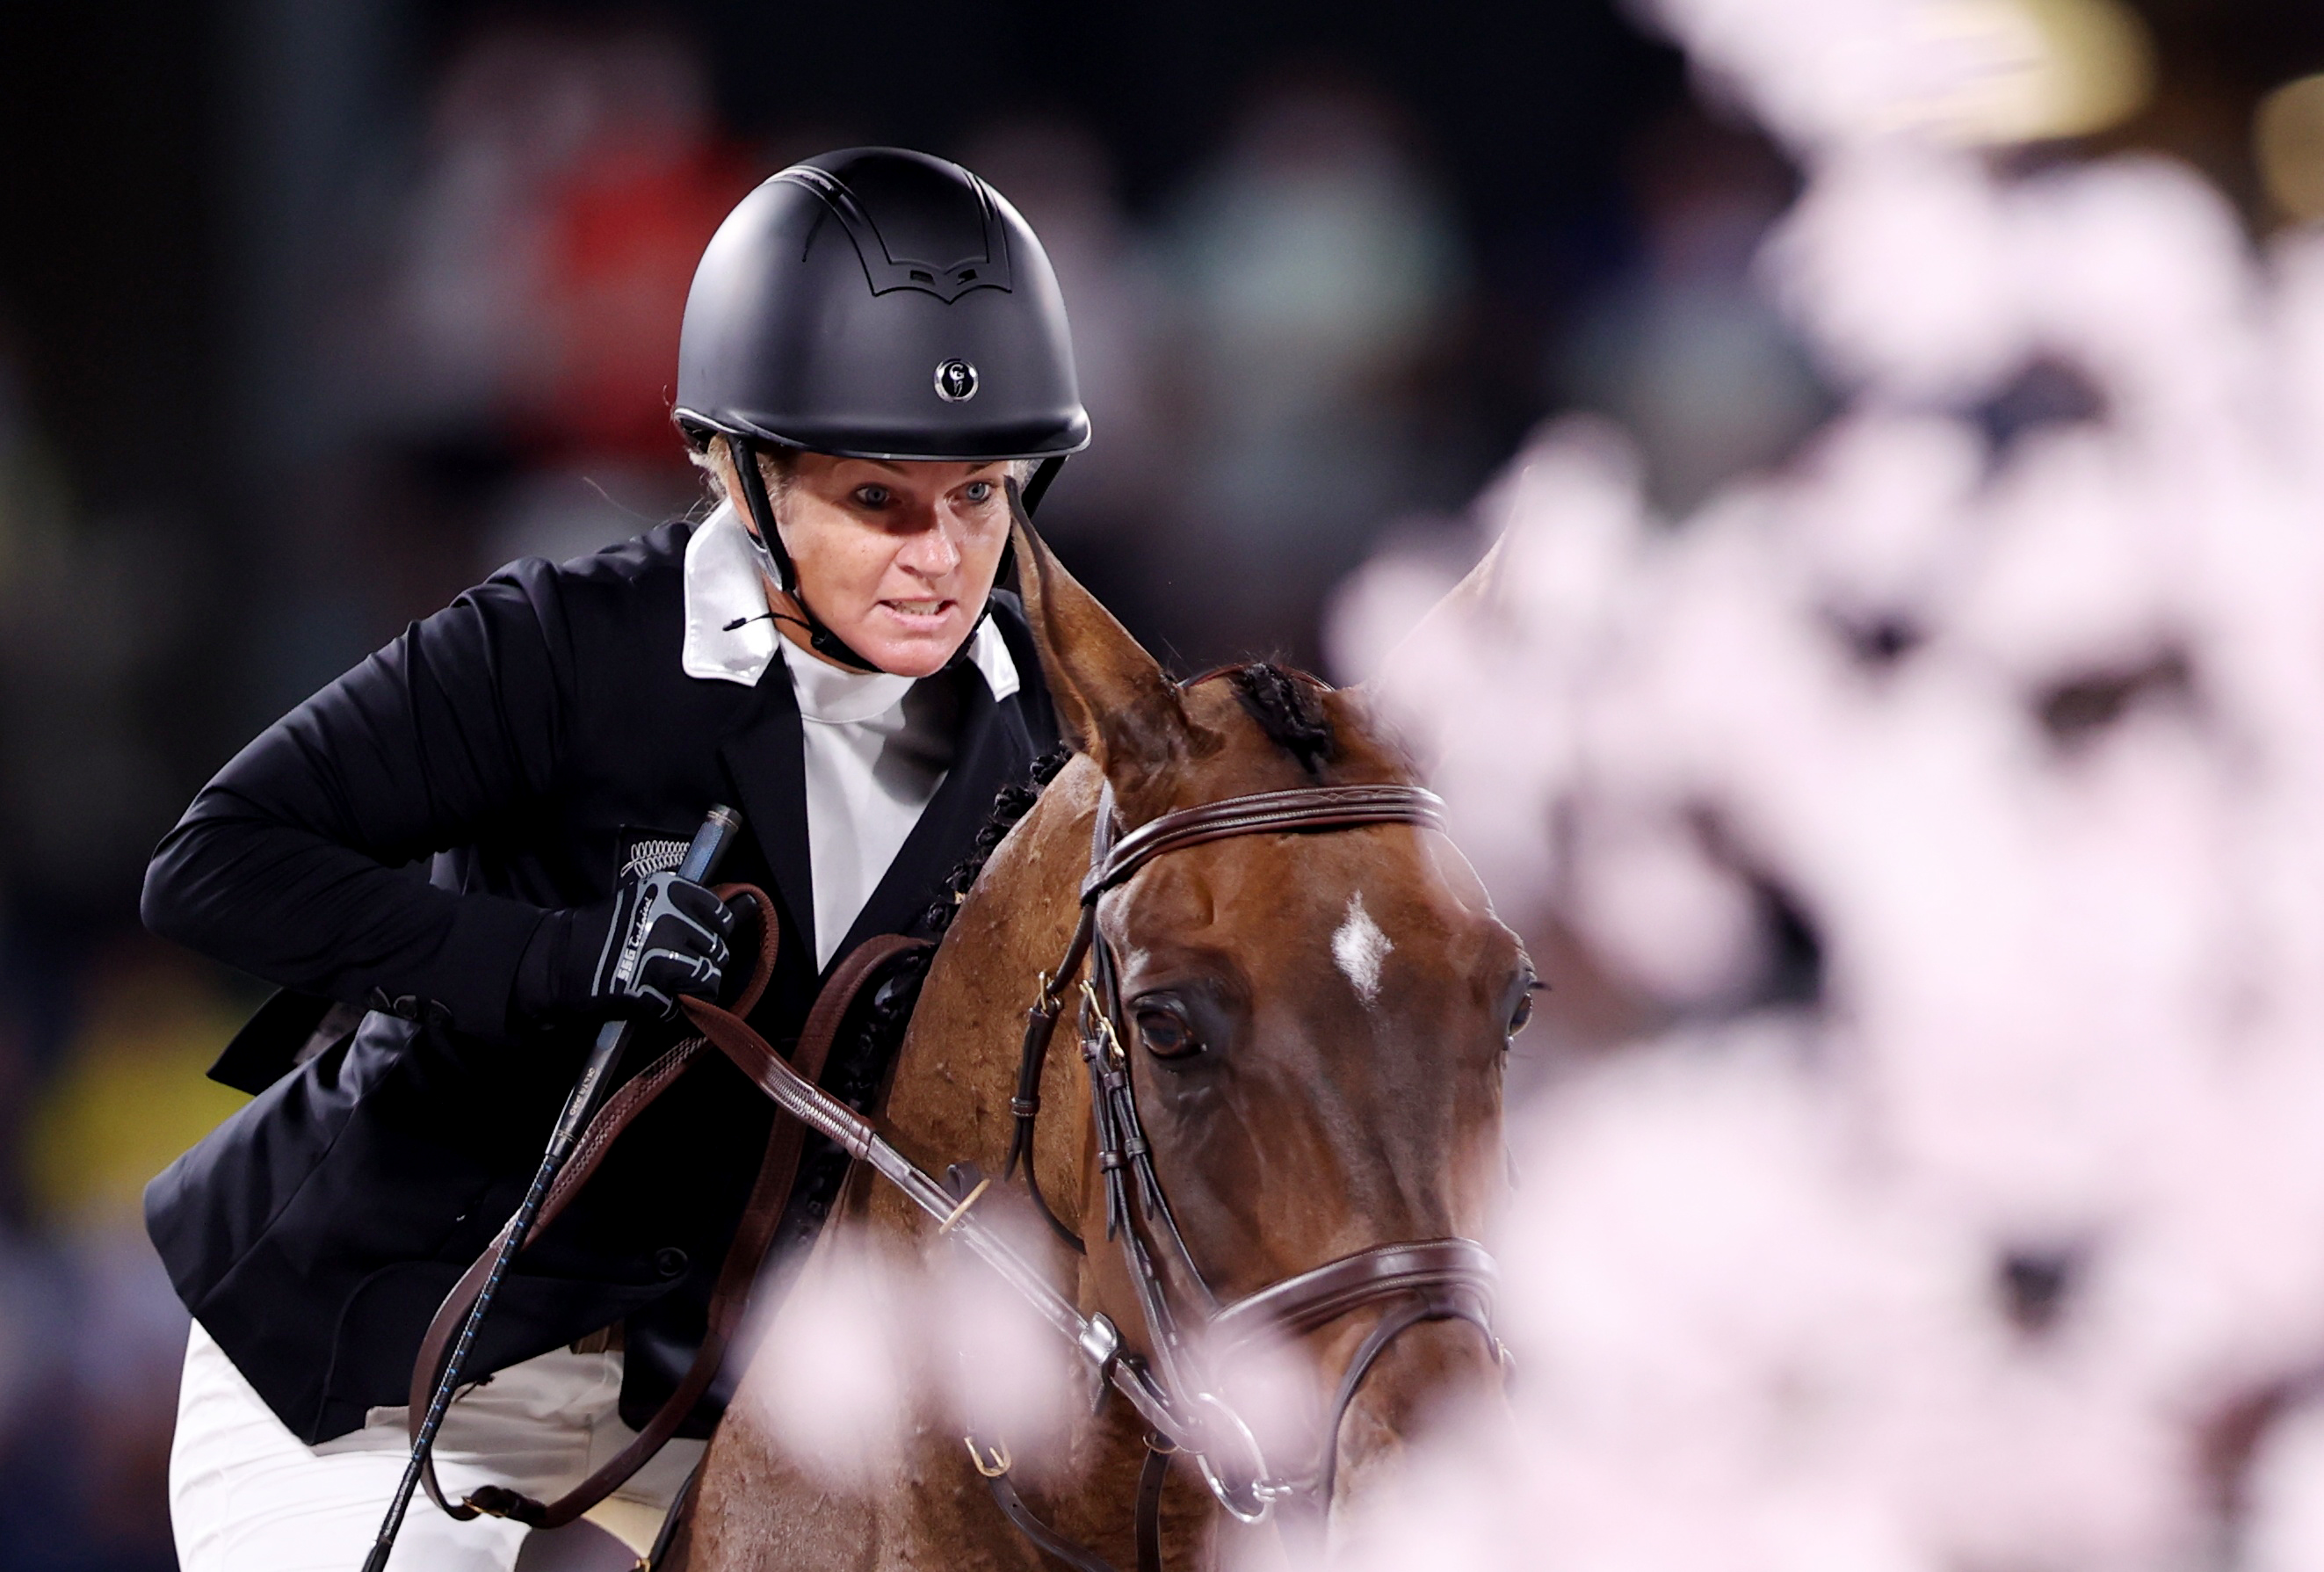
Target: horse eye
<point>1523,1010</point>
<point>1167,1033</point>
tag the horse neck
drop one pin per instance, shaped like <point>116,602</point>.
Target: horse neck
<point>950,1102</point>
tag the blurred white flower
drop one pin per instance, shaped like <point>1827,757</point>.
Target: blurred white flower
<point>1949,809</point>
<point>831,1390</point>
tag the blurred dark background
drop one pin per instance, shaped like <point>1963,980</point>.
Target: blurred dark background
<point>311,315</point>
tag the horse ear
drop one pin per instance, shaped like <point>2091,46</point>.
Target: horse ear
<point>1473,599</point>
<point>1117,705</point>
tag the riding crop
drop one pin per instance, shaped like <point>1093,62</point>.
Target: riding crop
<point>701,860</point>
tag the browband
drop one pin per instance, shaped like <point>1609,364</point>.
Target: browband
<point>1301,810</point>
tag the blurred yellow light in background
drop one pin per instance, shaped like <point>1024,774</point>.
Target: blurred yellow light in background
<point>2033,71</point>
<point>130,1095</point>
<point>2288,140</point>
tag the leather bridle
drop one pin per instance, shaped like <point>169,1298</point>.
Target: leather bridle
<point>1182,1411</point>
<point>1422,1280</point>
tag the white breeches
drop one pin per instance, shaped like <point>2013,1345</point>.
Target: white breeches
<point>247,1495</point>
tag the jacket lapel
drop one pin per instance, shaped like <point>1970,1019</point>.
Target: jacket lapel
<point>995,749</point>
<point>766,761</point>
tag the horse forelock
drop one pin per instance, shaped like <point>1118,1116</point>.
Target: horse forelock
<point>1268,714</point>
<point>1289,707</point>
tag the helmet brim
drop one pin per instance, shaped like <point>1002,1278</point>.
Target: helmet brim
<point>1046,439</point>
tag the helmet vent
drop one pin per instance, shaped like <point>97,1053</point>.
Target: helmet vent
<point>973,234</point>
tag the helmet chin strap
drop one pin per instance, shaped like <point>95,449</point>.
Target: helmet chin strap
<point>775,559</point>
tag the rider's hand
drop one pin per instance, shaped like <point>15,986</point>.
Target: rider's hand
<point>659,936</point>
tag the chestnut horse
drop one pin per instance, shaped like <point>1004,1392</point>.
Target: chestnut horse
<point>1317,1024</point>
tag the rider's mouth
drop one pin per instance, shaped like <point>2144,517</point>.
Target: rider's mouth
<point>918,611</point>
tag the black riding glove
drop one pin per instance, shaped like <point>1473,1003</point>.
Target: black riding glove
<point>659,936</point>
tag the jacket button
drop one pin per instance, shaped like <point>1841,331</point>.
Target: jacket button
<point>670,1260</point>
<point>437,1014</point>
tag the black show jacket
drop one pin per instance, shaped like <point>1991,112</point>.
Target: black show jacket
<point>392,843</point>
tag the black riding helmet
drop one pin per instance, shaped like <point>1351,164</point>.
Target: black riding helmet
<point>876,303</point>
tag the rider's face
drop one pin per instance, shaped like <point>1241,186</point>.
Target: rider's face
<point>896,557</point>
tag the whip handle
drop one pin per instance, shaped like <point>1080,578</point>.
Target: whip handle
<point>703,854</point>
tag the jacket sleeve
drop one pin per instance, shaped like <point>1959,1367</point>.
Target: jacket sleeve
<point>296,863</point>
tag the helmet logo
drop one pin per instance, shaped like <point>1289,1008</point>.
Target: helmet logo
<point>955,380</point>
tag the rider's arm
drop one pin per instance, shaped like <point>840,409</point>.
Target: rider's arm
<point>296,863</point>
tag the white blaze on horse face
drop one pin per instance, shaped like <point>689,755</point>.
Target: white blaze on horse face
<point>1358,948</point>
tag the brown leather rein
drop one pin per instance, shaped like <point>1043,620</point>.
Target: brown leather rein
<point>761,1212</point>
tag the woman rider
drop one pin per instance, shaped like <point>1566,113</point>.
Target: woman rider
<point>433,855</point>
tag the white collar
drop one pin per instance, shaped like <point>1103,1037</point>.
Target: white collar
<point>836,696</point>
<point>730,637</point>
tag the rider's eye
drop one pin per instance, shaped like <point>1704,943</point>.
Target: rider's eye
<point>872,496</point>
<point>1167,1033</point>
<point>979,492</point>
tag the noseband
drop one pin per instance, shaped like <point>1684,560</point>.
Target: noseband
<point>1422,1280</point>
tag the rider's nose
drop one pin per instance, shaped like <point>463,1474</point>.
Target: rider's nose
<point>931,553</point>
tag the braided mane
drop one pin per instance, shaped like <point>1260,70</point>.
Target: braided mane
<point>1289,707</point>
<point>1015,801</point>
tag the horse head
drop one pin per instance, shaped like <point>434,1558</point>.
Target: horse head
<point>1313,1028</point>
